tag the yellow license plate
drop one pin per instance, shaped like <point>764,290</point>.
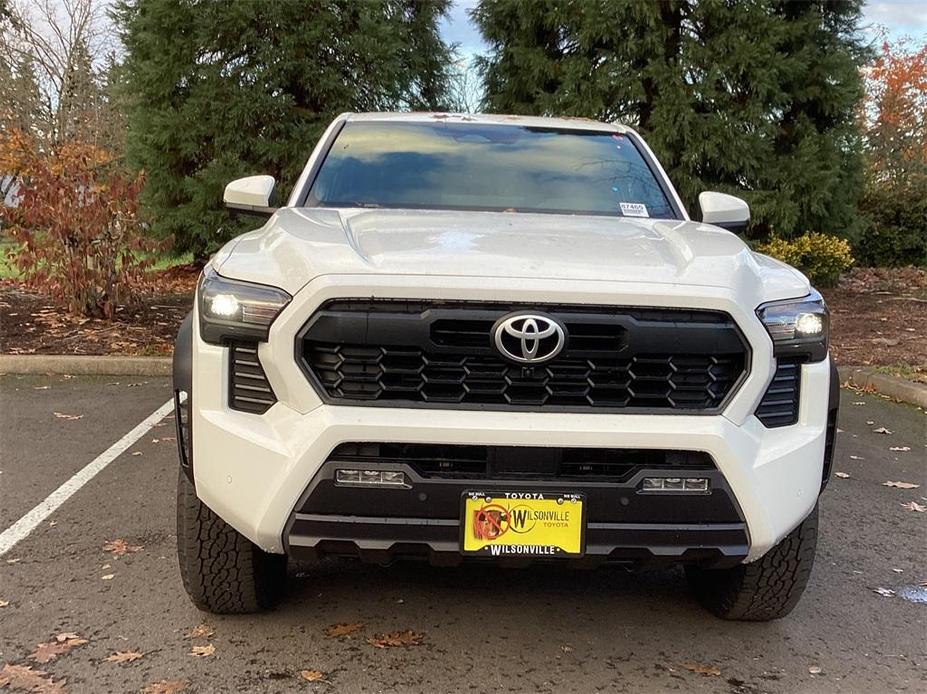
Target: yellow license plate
<point>511,524</point>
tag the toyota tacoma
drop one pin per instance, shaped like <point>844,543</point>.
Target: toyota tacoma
<point>499,339</point>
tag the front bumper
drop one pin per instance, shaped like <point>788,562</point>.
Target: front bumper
<point>253,470</point>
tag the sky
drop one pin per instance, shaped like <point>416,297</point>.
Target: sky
<point>898,17</point>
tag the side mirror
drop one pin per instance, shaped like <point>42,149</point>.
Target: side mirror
<point>725,211</point>
<point>250,195</point>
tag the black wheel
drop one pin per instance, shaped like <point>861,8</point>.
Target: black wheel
<point>766,589</point>
<point>222,570</point>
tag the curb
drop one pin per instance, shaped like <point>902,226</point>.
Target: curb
<point>891,386</point>
<point>81,365</point>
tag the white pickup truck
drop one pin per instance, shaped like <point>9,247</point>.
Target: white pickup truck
<point>499,339</point>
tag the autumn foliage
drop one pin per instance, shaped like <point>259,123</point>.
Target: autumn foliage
<point>76,224</point>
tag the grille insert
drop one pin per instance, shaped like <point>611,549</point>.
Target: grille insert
<point>779,406</point>
<point>450,461</point>
<point>433,353</point>
<point>249,389</point>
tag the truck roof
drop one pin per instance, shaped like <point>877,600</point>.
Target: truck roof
<point>568,123</point>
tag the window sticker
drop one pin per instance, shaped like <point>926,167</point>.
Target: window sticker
<point>633,209</point>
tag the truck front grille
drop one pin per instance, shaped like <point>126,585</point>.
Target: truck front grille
<point>432,353</point>
<point>449,461</point>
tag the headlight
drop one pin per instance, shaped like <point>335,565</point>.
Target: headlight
<point>234,310</point>
<point>798,327</point>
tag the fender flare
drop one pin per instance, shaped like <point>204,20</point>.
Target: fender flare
<point>182,377</point>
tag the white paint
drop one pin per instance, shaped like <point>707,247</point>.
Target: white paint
<point>25,525</point>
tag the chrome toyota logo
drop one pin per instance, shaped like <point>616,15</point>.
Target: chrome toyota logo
<point>529,338</point>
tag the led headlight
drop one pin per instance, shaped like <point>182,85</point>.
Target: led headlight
<point>798,327</point>
<point>235,310</point>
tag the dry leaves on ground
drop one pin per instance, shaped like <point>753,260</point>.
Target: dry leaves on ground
<point>46,652</point>
<point>4,603</point>
<point>900,485</point>
<point>883,430</point>
<point>312,675</point>
<point>884,592</point>
<point>165,687</point>
<point>62,415</point>
<point>914,506</point>
<point>900,449</point>
<point>815,670</point>
<point>396,639</point>
<point>124,656</point>
<point>200,631</point>
<point>24,679</point>
<point>708,670</point>
<point>203,651</point>
<point>343,629</point>
<point>119,547</point>
<point>842,475</point>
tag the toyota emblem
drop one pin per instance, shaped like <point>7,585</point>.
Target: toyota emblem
<point>529,338</point>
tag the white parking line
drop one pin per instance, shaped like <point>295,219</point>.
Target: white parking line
<point>25,525</point>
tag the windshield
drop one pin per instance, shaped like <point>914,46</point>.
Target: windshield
<point>467,166</point>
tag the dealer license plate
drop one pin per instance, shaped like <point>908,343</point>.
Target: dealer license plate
<point>511,524</point>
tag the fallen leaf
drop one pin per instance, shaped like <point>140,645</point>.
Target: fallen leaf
<point>137,453</point>
<point>842,475</point>
<point>165,687</point>
<point>40,387</point>
<point>46,652</point>
<point>898,571</point>
<point>23,678</point>
<point>342,629</point>
<point>200,631</point>
<point>870,422</point>
<point>396,639</point>
<point>900,485</point>
<point>14,561</point>
<point>856,457</point>
<point>203,651</point>
<point>815,669</point>
<point>914,506</point>
<point>312,675</point>
<point>62,415</point>
<point>566,648</point>
<point>124,656</point>
<point>121,547</point>
<point>859,402</point>
<point>903,449</point>
<point>4,603</point>
<point>107,577</point>
<point>702,669</point>
<point>884,592</point>
<point>883,430</point>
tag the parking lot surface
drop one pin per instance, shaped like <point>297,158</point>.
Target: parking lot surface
<point>481,628</point>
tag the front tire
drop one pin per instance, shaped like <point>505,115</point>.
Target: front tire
<point>222,570</point>
<point>766,589</point>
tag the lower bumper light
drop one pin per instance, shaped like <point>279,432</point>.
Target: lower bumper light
<point>371,478</point>
<point>675,484</point>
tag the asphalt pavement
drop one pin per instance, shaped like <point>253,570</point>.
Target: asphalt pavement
<point>482,629</point>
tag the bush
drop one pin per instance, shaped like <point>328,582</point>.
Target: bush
<point>821,257</point>
<point>896,230</point>
<point>76,228</point>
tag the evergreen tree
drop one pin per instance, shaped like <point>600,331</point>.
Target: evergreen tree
<point>754,97</point>
<point>218,90</point>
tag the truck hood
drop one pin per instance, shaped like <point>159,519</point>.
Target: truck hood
<point>299,244</point>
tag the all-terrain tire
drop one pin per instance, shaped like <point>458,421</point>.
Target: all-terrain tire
<point>222,570</point>
<point>763,590</point>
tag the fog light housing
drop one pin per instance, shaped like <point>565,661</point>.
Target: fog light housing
<point>675,484</point>
<point>394,479</point>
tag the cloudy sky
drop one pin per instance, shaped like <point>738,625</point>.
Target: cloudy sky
<point>898,17</point>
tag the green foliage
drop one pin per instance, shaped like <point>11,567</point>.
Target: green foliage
<point>754,98</point>
<point>218,90</point>
<point>822,258</point>
<point>896,234</point>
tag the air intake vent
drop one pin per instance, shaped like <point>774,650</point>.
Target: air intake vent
<point>779,406</point>
<point>249,390</point>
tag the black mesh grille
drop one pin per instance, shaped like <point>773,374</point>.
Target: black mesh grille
<point>779,406</point>
<point>448,461</point>
<point>394,352</point>
<point>249,390</point>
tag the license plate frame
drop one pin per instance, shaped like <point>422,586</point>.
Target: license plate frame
<point>557,538</point>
